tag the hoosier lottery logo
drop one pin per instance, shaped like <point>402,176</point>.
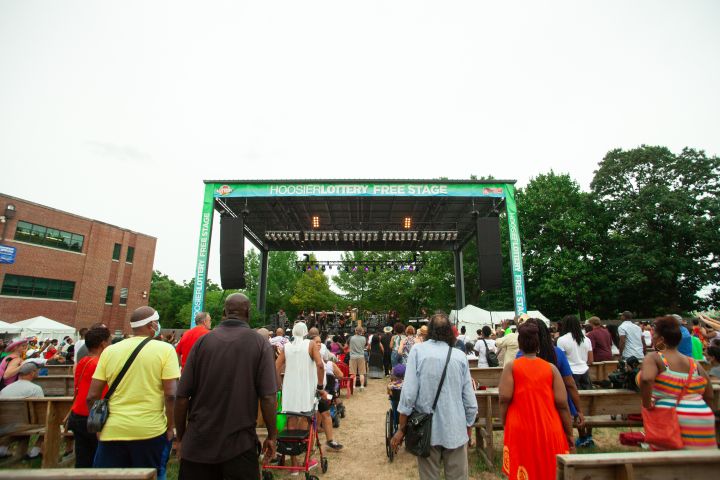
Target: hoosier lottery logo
<point>224,190</point>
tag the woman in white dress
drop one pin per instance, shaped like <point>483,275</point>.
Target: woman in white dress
<point>304,377</point>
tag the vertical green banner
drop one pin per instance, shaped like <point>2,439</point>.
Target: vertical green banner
<point>518,276</point>
<point>203,255</point>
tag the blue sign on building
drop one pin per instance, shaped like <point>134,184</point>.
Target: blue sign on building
<point>7,254</point>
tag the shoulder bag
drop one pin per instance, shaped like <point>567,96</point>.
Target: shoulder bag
<point>662,427</point>
<point>419,425</point>
<point>100,410</point>
<point>491,357</point>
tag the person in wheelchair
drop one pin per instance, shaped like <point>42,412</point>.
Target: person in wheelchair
<point>394,388</point>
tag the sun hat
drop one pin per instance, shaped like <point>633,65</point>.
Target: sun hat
<point>15,344</point>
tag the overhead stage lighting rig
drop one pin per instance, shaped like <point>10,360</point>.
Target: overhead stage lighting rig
<point>370,265</point>
<point>364,236</point>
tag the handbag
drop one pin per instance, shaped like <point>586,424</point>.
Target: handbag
<point>419,425</point>
<point>100,410</point>
<point>491,357</point>
<point>662,427</point>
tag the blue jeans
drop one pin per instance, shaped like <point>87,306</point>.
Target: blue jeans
<point>149,453</point>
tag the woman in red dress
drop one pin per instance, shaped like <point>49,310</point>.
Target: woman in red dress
<point>534,409</point>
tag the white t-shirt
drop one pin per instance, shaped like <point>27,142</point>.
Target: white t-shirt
<point>22,389</point>
<point>79,344</point>
<point>647,338</point>
<point>633,340</point>
<point>481,352</point>
<point>577,355</point>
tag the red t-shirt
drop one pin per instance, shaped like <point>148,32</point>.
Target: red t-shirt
<point>50,352</point>
<point>602,344</point>
<point>84,371</point>
<point>188,340</point>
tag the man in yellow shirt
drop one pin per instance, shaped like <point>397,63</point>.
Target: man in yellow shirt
<point>139,430</point>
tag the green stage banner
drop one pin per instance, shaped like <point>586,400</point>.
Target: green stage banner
<point>518,275</point>
<point>201,264</point>
<point>359,190</point>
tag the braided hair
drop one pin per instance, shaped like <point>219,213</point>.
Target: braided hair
<point>570,324</point>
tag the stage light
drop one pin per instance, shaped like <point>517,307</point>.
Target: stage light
<point>317,267</point>
<point>375,236</point>
<point>397,236</point>
<point>407,223</point>
<point>324,236</point>
<point>374,268</point>
<point>442,236</point>
<point>309,268</point>
<point>384,236</point>
<point>424,236</point>
<point>410,267</point>
<point>357,236</point>
<point>345,237</point>
<point>354,269</point>
<point>323,268</point>
<point>362,236</point>
<point>337,236</point>
<point>315,221</point>
<point>414,235</point>
<point>396,267</point>
<point>367,269</point>
<point>347,269</point>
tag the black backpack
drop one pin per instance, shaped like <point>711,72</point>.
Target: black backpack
<point>491,357</point>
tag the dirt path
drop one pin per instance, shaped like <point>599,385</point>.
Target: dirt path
<point>362,432</point>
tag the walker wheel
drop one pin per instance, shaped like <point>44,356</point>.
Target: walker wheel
<point>324,465</point>
<point>313,477</point>
<point>267,475</point>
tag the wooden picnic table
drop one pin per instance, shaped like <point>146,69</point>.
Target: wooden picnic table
<point>639,465</point>
<point>54,370</point>
<point>57,385</point>
<point>601,407</point>
<point>81,474</point>
<point>21,418</point>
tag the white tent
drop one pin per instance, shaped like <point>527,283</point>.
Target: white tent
<point>474,318</point>
<point>43,327</point>
<point>8,328</point>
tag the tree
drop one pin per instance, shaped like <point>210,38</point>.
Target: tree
<point>663,210</point>
<point>563,244</point>
<point>168,297</point>
<point>312,291</point>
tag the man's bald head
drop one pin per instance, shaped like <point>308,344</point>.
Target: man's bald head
<point>144,328</point>
<point>142,313</point>
<point>237,306</point>
<point>279,332</point>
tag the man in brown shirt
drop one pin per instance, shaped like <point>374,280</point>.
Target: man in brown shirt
<point>601,341</point>
<point>227,372</point>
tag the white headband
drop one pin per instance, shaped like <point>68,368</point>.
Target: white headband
<point>140,323</point>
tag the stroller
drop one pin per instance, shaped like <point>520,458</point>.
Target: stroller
<point>297,442</point>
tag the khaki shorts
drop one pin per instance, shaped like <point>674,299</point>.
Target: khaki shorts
<point>357,366</point>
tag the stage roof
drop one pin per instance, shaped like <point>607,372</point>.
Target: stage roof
<point>398,215</point>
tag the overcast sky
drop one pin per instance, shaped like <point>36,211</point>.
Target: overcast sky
<point>119,110</point>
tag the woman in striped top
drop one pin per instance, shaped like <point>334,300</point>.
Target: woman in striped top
<point>664,378</point>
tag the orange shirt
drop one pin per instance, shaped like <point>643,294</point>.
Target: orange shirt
<point>188,340</point>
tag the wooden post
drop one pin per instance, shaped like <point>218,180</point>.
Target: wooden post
<point>51,445</point>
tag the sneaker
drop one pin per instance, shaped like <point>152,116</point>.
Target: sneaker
<point>334,445</point>
<point>362,389</point>
<point>313,464</point>
<point>589,443</point>
<point>580,441</point>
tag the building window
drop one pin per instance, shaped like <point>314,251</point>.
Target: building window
<point>109,294</point>
<point>49,237</point>
<point>116,251</point>
<point>123,296</point>
<point>18,285</point>
<point>130,255</point>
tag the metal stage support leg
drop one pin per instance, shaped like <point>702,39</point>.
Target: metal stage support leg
<point>459,280</point>
<point>262,293</point>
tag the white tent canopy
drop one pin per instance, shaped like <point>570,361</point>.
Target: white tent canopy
<point>43,327</point>
<point>8,328</point>
<point>474,318</point>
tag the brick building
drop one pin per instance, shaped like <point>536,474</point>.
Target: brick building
<point>71,269</point>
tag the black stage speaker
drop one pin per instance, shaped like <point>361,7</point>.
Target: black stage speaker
<point>232,252</point>
<point>489,255</point>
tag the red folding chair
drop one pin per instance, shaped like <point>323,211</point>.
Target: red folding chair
<point>348,381</point>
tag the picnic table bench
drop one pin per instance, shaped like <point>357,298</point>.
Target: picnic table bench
<point>57,385</point>
<point>59,369</point>
<point>639,465</point>
<point>22,418</point>
<point>81,474</point>
<point>602,408</point>
<point>599,371</point>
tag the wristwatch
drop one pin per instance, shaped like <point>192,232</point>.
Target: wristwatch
<point>320,387</point>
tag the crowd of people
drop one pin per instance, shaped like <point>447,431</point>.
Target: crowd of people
<point>210,411</point>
